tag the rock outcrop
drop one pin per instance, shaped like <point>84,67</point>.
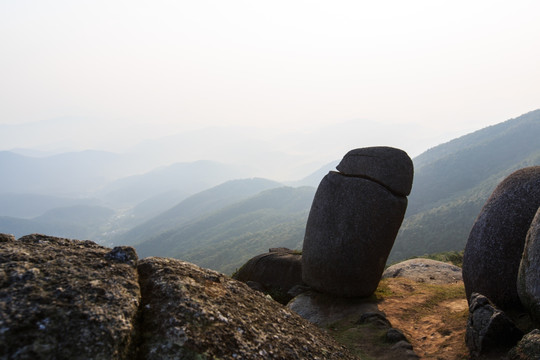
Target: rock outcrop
<point>529,270</point>
<point>528,348</point>
<point>425,270</point>
<point>275,272</point>
<point>68,299</point>
<point>63,299</point>
<point>493,252</point>
<point>354,315</point>
<point>489,330</point>
<point>354,219</point>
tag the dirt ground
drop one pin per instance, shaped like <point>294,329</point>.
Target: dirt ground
<point>433,317</point>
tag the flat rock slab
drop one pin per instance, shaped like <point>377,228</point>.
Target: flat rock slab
<point>59,298</point>
<point>425,270</point>
<point>324,309</point>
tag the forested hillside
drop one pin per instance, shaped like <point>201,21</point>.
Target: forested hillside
<point>453,180</point>
<point>228,237</point>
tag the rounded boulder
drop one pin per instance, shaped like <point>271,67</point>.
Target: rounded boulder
<point>493,252</point>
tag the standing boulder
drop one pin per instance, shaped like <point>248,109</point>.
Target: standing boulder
<point>354,220</point>
<point>529,275</point>
<point>495,245</point>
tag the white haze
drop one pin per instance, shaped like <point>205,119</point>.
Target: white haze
<point>278,86</point>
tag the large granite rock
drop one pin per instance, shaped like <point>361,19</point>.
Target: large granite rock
<point>495,245</point>
<point>275,272</point>
<point>353,223</point>
<point>388,166</point>
<point>489,330</point>
<point>68,299</point>
<point>64,299</point>
<point>529,270</point>
<point>192,313</point>
<point>425,270</point>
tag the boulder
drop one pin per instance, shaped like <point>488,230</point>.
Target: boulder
<point>388,166</point>
<point>495,245</point>
<point>528,348</point>
<point>425,270</point>
<point>350,231</point>
<point>194,313</point>
<point>277,271</point>
<point>529,275</point>
<point>69,299</point>
<point>66,299</point>
<point>489,330</point>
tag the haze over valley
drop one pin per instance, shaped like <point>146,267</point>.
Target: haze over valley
<point>219,215</point>
<point>200,130</point>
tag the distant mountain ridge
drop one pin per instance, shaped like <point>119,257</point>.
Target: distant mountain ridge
<point>207,201</point>
<point>224,239</point>
<point>453,181</point>
<point>202,212</point>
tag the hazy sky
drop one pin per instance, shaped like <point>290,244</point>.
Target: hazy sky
<point>147,68</point>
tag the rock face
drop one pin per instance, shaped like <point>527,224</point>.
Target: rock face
<point>63,299</point>
<point>529,275</point>
<point>489,330</point>
<point>68,299</point>
<point>425,270</point>
<point>353,222</point>
<point>495,245</point>
<point>528,347</point>
<point>276,271</point>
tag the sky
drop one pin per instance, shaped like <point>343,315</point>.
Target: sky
<point>417,72</point>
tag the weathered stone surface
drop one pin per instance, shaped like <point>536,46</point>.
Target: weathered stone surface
<point>6,237</point>
<point>324,309</point>
<point>65,299</point>
<point>350,231</point>
<point>489,330</point>
<point>425,270</point>
<point>194,313</point>
<point>395,335</point>
<point>277,271</point>
<point>69,299</point>
<point>529,270</point>
<point>388,166</point>
<point>528,347</point>
<point>353,316</point>
<point>495,245</point>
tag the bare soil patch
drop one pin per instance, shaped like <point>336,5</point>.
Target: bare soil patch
<point>432,316</point>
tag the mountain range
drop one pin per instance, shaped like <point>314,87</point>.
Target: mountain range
<point>218,216</point>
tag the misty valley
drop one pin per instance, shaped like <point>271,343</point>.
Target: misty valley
<point>218,216</point>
